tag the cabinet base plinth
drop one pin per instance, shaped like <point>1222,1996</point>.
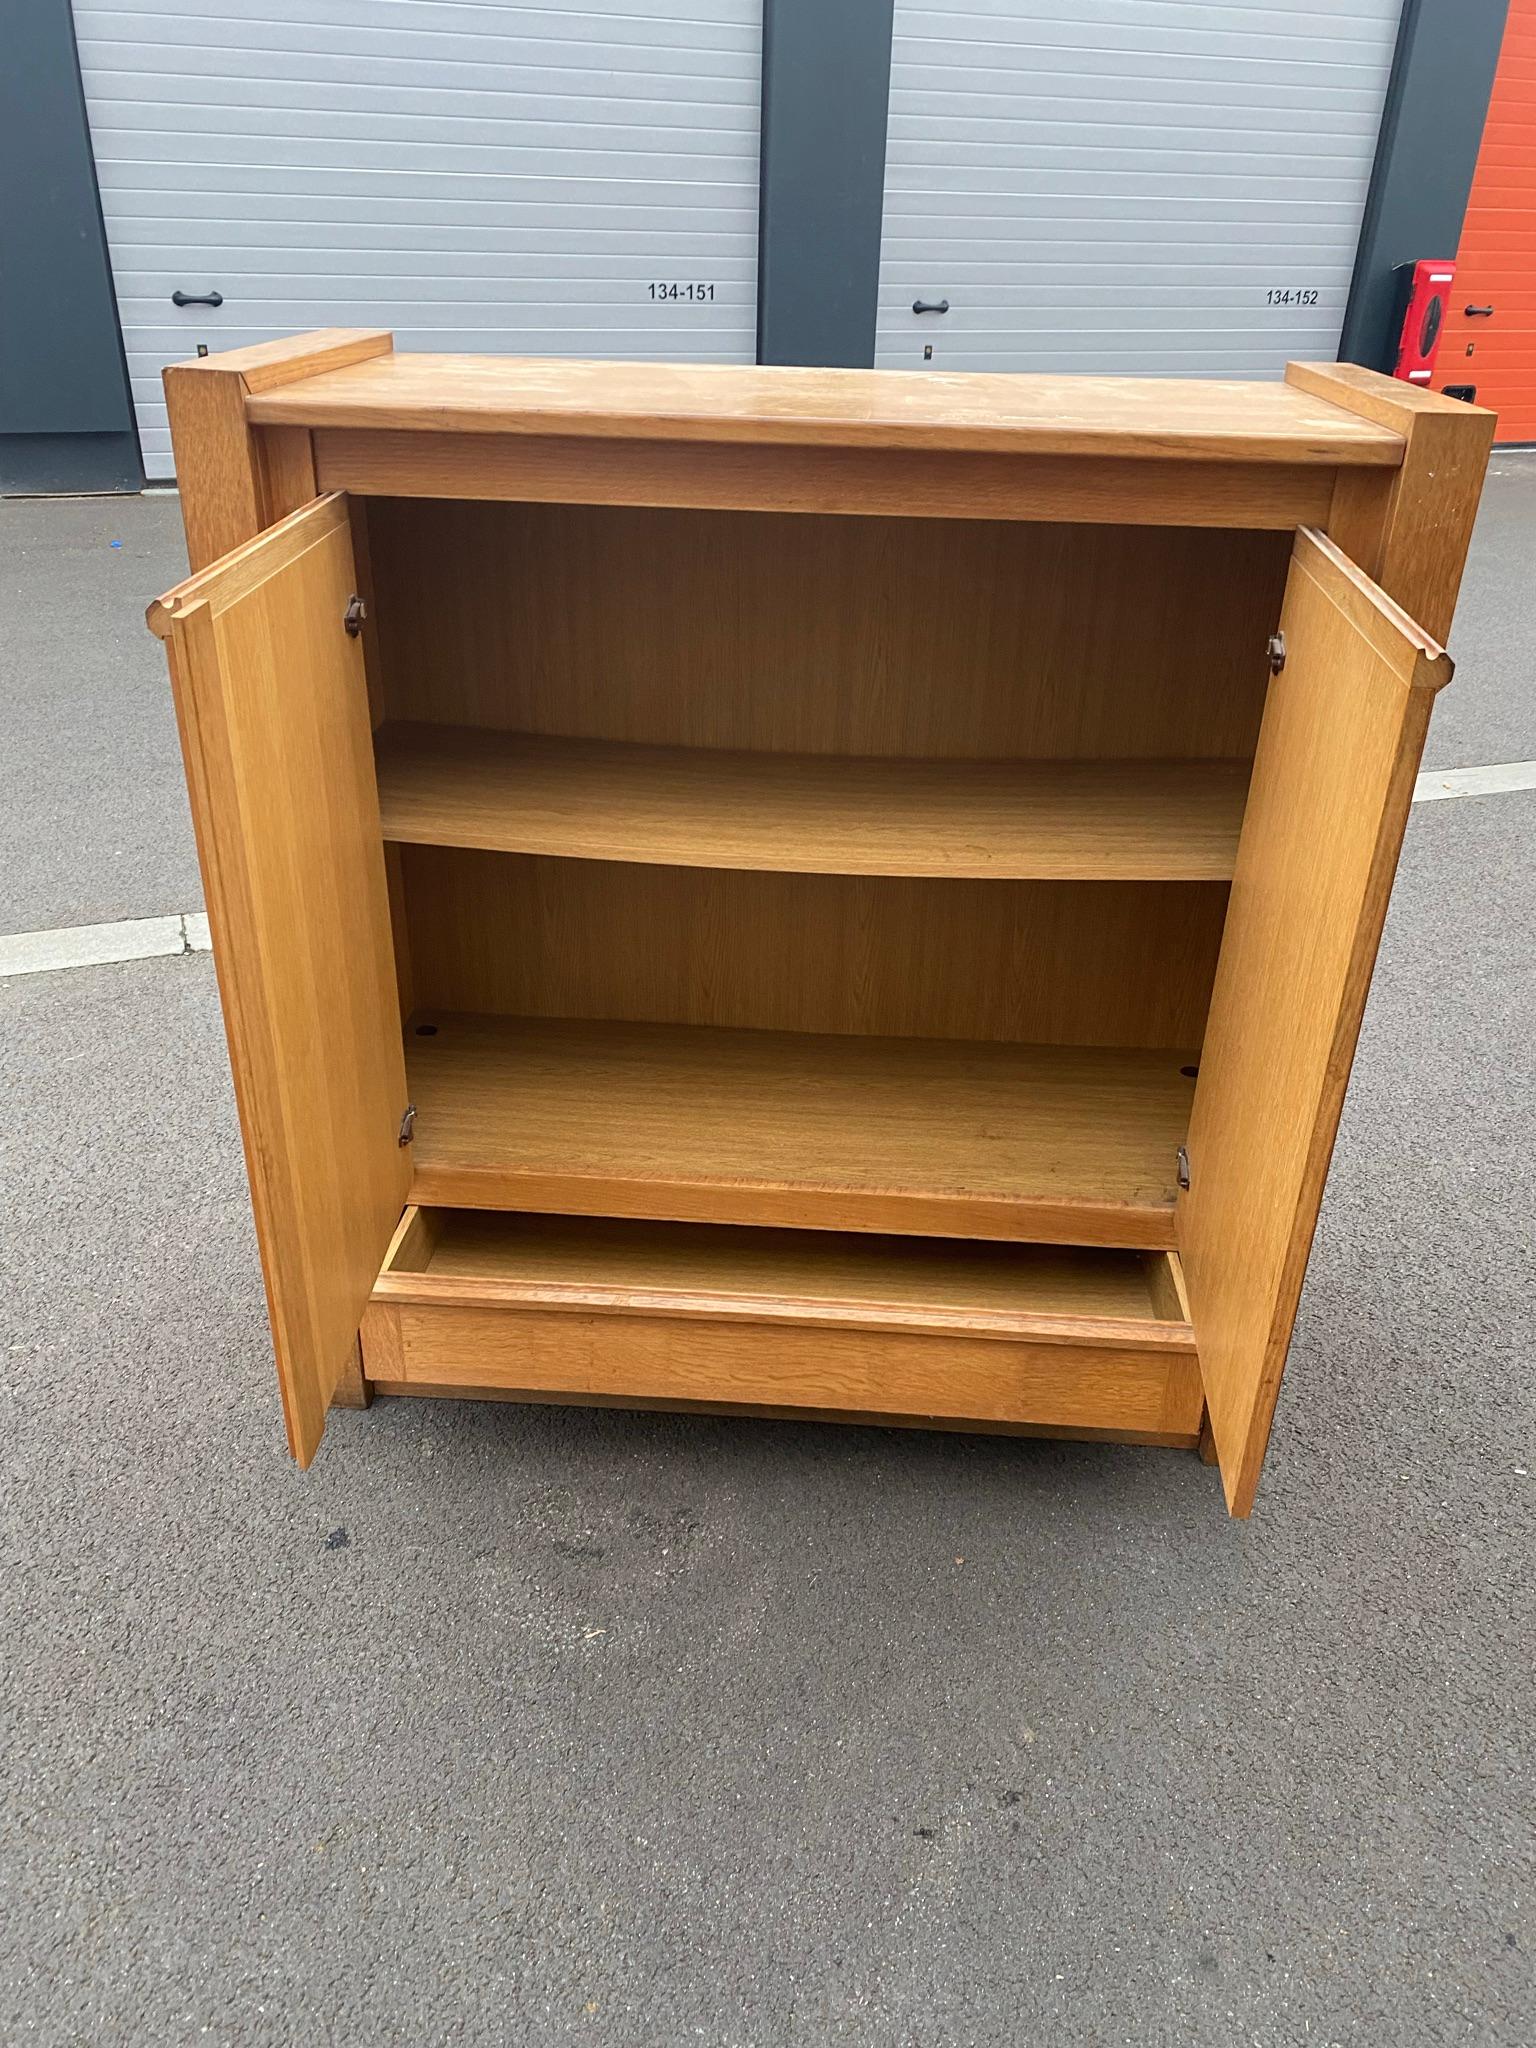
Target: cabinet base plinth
<point>1174,1440</point>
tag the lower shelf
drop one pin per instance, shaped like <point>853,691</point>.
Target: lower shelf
<point>1050,1144</point>
<point>785,1322</point>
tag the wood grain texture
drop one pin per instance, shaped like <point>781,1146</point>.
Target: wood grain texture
<point>810,813</point>
<point>815,1279</point>
<point>654,1357</point>
<point>218,469</point>
<point>1332,783</point>
<point>1137,417</point>
<point>400,930</point>
<point>415,1240</point>
<point>864,482</point>
<point>352,1389</point>
<point>379,1344</point>
<point>273,714</point>
<point>367,589</point>
<point>1357,517</point>
<point>234,482</point>
<point>1058,1144</point>
<point>292,359</point>
<point>252,567</point>
<point>1165,1286</point>
<point>1387,402</point>
<point>930,639</point>
<point>1108,963</point>
<point>285,460</point>
<point>1414,541</point>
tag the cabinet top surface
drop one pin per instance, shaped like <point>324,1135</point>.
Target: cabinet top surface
<point>1043,415</point>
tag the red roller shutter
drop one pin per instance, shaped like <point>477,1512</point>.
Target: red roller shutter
<point>1495,350</point>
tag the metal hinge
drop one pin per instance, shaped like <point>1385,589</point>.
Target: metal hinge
<point>1183,1167</point>
<point>352,618</point>
<point>408,1124</point>
<point>1276,653</point>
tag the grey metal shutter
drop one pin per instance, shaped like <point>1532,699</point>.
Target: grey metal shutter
<point>1169,186</point>
<point>489,177</point>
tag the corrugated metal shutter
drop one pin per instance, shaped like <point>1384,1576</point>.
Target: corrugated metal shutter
<point>1127,185</point>
<point>490,177</point>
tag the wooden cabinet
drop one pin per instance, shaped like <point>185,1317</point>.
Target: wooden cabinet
<point>800,892</point>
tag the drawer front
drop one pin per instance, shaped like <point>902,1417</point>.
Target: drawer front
<point>878,1376</point>
<point>792,1322</point>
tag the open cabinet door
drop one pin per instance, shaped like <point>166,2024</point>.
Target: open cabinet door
<point>273,708</point>
<point>1344,725</point>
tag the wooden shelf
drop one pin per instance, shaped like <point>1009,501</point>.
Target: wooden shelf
<point>810,813</point>
<point>1056,1144</point>
<point>1197,419</point>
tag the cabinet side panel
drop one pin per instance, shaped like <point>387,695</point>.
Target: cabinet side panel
<point>1410,527</point>
<point>287,467</point>
<point>1332,782</point>
<point>218,468</point>
<point>235,480</point>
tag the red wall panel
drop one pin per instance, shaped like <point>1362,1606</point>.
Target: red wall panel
<point>1496,263</point>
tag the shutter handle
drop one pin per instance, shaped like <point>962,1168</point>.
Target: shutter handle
<point>180,298</point>
<point>1478,312</point>
<point>930,305</point>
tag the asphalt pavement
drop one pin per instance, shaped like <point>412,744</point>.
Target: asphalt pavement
<point>547,1726</point>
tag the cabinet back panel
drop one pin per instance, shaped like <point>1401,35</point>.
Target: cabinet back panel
<point>820,633</point>
<point>1065,963</point>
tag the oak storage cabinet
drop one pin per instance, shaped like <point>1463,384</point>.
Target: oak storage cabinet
<point>800,892</point>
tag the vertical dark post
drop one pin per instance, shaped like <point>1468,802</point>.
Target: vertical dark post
<point>66,422</point>
<point>1431,126</point>
<point>826,93</point>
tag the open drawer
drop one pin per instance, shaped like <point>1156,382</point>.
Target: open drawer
<point>932,1331</point>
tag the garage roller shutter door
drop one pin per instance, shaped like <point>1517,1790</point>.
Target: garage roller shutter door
<point>489,177</point>
<point>1127,185</point>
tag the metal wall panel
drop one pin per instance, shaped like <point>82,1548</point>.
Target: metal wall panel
<point>486,177</point>
<point>1127,185</point>
<point>1490,334</point>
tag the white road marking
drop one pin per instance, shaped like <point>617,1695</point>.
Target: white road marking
<point>104,945</point>
<point>151,938</point>
<point>1496,781</point>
